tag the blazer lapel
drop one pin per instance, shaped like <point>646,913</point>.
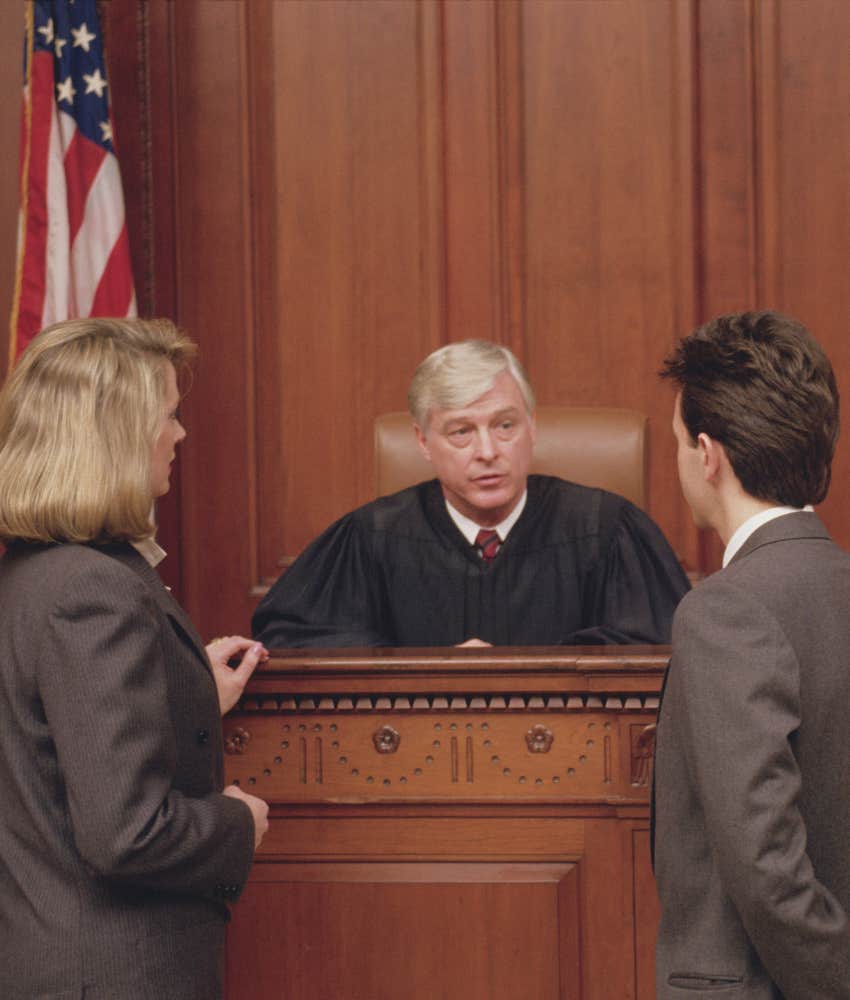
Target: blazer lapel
<point>180,621</point>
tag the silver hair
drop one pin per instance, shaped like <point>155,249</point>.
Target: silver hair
<point>457,374</point>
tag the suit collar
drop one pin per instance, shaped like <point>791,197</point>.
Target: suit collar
<point>789,527</point>
<point>132,559</point>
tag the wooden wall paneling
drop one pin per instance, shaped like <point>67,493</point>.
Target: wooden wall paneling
<point>802,102</point>
<point>138,66</point>
<point>161,235</point>
<point>727,251</point>
<point>727,162</point>
<point>472,166</point>
<point>676,314</point>
<point>432,183</point>
<point>608,175</point>
<point>359,278</point>
<point>125,38</point>
<point>214,263</point>
<point>775,151</point>
<point>509,72</point>
<point>11,49</point>
<point>268,539</point>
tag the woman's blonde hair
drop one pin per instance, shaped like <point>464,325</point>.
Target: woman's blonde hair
<point>79,415</point>
<point>457,374</point>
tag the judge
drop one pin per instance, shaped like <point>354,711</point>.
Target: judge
<point>484,554</point>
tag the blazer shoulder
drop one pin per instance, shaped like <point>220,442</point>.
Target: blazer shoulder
<point>54,574</point>
<point>714,592</point>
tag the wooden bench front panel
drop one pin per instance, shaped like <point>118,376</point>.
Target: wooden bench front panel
<point>470,829</point>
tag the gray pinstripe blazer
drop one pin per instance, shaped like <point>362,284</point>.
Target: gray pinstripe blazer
<point>752,802</point>
<point>117,852</point>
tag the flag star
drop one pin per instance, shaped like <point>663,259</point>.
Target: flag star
<point>94,83</point>
<point>82,37</point>
<point>65,90</point>
<point>59,44</point>
<point>47,31</point>
<point>106,129</point>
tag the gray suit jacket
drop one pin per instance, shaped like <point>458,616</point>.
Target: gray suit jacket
<point>752,805</point>
<point>117,851</point>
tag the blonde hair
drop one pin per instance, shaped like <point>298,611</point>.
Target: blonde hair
<point>457,374</point>
<point>79,415</point>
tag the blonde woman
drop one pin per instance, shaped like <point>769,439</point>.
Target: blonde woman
<point>119,847</point>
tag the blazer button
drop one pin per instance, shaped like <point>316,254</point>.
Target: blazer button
<point>203,736</point>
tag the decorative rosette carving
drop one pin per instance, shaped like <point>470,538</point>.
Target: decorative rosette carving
<point>539,739</point>
<point>386,739</point>
<point>236,741</point>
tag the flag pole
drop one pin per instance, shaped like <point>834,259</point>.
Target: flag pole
<point>29,29</point>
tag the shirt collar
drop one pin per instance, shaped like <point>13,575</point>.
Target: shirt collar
<point>150,550</point>
<point>743,531</point>
<point>469,529</point>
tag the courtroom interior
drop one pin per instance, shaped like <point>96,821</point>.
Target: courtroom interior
<point>324,192</point>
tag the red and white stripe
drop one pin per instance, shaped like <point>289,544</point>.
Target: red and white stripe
<point>73,246</point>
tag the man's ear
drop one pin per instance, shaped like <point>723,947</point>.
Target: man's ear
<point>713,456</point>
<point>422,441</point>
<point>532,420</point>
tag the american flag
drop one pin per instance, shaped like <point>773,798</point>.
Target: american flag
<point>73,252</point>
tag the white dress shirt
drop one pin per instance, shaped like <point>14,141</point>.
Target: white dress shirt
<point>152,552</point>
<point>469,529</point>
<point>743,531</point>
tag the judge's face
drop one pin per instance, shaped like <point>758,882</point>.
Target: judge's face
<point>690,465</point>
<point>171,433</point>
<point>481,453</point>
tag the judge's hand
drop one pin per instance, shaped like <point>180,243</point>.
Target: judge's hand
<point>474,642</point>
<point>259,811</point>
<point>231,681</point>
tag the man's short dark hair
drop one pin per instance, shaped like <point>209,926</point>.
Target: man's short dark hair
<point>761,385</point>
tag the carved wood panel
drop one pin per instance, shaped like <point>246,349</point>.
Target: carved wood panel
<point>434,755</point>
<point>515,781</point>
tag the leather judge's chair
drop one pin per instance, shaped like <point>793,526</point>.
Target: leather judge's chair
<point>593,446</point>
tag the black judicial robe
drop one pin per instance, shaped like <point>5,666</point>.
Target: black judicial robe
<point>579,566</point>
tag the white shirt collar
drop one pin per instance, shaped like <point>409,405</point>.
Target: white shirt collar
<point>150,550</point>
<point>743,531</point>
<point>469,529</point>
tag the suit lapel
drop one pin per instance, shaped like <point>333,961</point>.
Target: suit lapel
<point>180,621</point>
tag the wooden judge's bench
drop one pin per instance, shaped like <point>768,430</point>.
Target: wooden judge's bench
<point>458,824</point>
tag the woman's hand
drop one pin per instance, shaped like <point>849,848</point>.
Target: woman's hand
<point>231,681</point>
<point>259,811</point>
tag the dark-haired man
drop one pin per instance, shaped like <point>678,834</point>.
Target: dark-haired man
<point>752,804</point>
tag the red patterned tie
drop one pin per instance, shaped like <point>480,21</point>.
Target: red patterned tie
<point>487,542</point>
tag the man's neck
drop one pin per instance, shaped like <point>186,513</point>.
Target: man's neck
<point>736,511</point>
